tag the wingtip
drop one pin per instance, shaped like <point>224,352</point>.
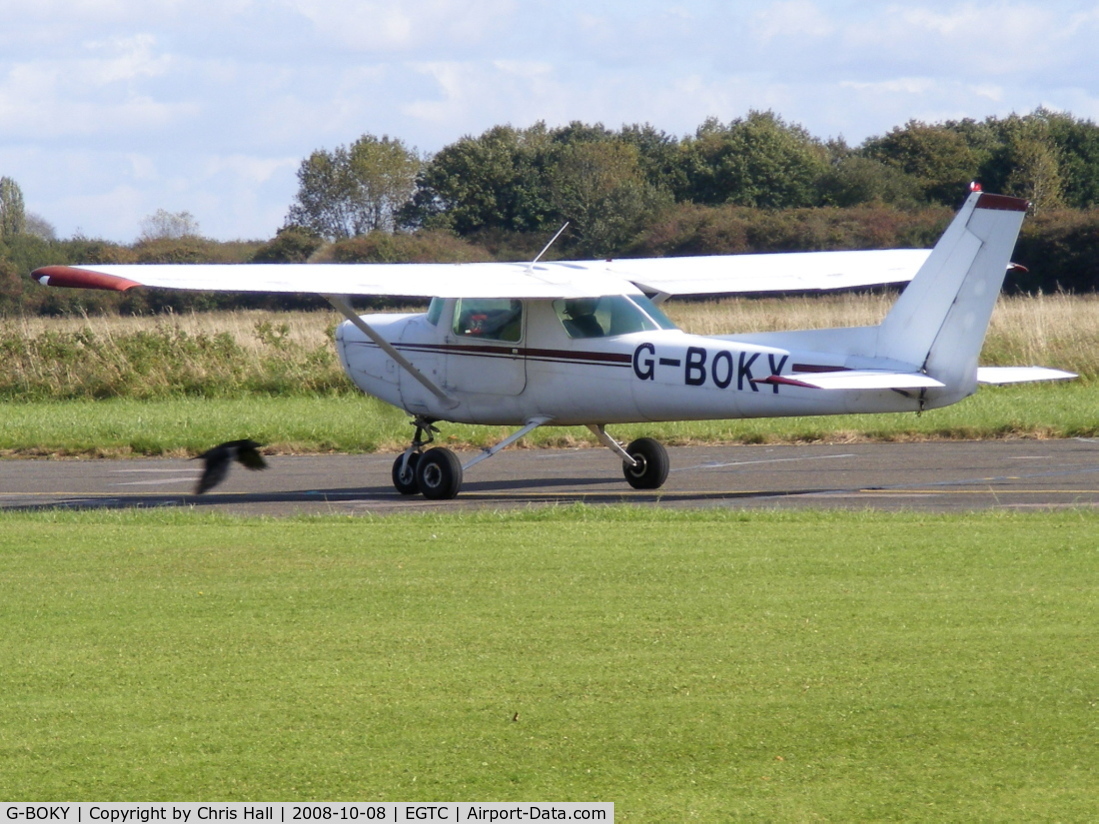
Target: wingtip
<point>77,278</point>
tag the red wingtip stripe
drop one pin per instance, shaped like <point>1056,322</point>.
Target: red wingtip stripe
<point>77,278</point>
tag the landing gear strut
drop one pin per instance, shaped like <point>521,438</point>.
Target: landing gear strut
<point>404,468</point>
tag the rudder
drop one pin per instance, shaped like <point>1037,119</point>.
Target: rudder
<point>939,323</point>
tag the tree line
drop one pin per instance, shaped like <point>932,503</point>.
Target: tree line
<point>755,183</point>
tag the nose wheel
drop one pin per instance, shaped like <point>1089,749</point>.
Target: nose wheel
<point>434,473</point>
<point>439,474</point>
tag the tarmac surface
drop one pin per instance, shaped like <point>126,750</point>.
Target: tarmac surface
<point>949,476</point>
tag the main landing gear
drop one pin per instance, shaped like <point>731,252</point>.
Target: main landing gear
<point>437,473</point>
<point>644,462</point>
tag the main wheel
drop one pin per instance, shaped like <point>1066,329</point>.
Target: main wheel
<point>405,481</point>
<point>652,464</point>
<point>439,474</point>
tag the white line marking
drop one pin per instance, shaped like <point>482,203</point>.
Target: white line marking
<point>154,471</point>
<point>768,461</point>
<point>160,482</point>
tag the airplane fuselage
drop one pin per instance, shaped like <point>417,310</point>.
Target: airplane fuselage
<point>538,369</point>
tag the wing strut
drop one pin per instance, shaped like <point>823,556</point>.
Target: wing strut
<point>344,308</point>
<point>488,452</point>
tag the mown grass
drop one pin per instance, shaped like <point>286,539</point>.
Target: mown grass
<point>354,424</point>
<point>708,666</point>
<point>153,386</point>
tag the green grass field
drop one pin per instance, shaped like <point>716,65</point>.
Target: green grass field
<point>710,666</point>
<point>356,423</point>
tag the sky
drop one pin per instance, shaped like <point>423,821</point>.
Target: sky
<point>113,109</point>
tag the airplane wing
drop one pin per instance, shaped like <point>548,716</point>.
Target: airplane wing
<point>761,273</point>
<point>708,275</point>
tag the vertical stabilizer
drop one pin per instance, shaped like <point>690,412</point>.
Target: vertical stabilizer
<point>938,324</point>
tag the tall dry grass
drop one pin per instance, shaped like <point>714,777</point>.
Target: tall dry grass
<point>229,354</point>
<point>221,354</point>
<point>253,330</point>
<point>733,315</point>
<point>1057,330</point>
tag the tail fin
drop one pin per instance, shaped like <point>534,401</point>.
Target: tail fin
<point>938,324</point>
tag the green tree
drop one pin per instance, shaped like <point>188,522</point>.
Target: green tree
<point>13,217</point>
<point>1035,170</point>
<point>165,225</point>
<point>600,187</point>
<point>292,244</point>
<point>384,172</point>
<point>758,161</point>
<point>1025,160</point>
<point>939,158</point>
<point>660,157</point>
<point>494,181</point>
<point>1077,143</point>
<point>856,180</point>
<point>354,190</point>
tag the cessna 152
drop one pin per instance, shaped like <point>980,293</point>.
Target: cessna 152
<point>585,342</point>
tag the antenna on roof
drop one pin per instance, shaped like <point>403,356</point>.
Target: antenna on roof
<point>545,249</point>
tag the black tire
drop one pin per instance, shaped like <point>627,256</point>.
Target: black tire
<point>439,474</point>
<point>405,482</point>
<point>652,464</point>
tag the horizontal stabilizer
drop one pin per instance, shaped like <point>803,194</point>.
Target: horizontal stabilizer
<point>856,379</point>
<point>1001,375</point>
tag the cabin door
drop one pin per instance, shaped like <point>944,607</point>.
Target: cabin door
<point>484,346</point>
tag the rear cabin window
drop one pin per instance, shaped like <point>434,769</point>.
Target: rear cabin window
<point>609,315</point>
<point>489,319</point>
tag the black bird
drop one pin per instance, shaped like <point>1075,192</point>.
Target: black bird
<point>218,460</point>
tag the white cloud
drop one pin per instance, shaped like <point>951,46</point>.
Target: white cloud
<point>121,59</point>
<point>792,18</point>
<point>111,109</point>
<point>411,25</point>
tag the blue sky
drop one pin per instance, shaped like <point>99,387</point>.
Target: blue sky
<point>113,109</point>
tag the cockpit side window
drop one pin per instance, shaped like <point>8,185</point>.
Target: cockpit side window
<point>489,319</point>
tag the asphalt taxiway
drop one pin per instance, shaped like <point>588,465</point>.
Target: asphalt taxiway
<point>947,476</point>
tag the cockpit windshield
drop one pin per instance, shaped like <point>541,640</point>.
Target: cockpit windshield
<point>610,315</point>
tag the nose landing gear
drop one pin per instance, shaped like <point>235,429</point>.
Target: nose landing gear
<point>436,473</point>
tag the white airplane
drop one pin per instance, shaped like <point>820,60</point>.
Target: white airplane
<point>585,342</point>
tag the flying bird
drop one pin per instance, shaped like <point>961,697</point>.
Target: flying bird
<point>221,456</point>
